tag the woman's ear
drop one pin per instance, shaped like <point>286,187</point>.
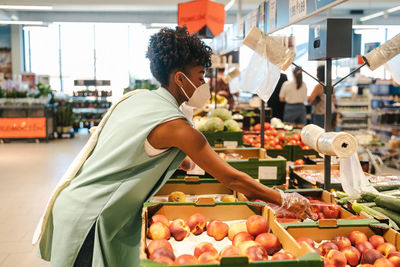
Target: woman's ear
<point>179,78</point>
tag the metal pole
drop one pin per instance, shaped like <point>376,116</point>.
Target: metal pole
<point>215,86</point>
<point>60,59</point>
<point>262,120</point>
<point>239,10</point>
<point>328,90</point>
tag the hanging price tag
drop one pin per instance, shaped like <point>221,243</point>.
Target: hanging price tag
<point>272,15</point>
<point>297,9</point>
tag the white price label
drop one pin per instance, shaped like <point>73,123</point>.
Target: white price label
<point>196,171</point>
<point>233,144</point>
<point>297,9</point>
<point>272,14</point>
<point>267,172</point>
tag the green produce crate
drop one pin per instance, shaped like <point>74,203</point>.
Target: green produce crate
<point>299,153</point>
<point>224,139</point>
<point>305,256</point>
<point>285,152</point>
<point>297,181</point>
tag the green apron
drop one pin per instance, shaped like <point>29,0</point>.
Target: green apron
<point>112,185</point>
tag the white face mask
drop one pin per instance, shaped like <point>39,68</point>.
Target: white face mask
<point>200,95</point>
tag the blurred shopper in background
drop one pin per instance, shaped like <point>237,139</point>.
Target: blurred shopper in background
<point>294,93</point>
<point>274,102</point>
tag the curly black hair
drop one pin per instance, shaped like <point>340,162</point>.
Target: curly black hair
<point>171,50</point>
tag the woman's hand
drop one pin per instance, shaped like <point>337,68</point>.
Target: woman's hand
<point>297,204</point>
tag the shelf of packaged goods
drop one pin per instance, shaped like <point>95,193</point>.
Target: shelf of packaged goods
<point>90,98</point>
<point>89,110</point>
<point>23,106</point>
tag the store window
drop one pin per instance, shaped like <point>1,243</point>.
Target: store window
<point>105,51</point>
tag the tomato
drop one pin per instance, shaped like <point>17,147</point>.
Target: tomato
<point>267,125</point>
<point>257,127</point>
<point>281,137</point>
<point>274,132</point>
<point>268,132</point>
<point>305,147</point>
<point>292,142</point>
<point>272,143</point>
<point>256,145</point>
<point>297,136</point>
<point>278,147</point>
<point>331,212</point>
<point>299,162</point>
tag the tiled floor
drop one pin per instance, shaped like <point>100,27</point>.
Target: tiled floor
<point>28,174</point>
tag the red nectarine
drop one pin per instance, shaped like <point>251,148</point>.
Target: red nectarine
<point>256,225</point>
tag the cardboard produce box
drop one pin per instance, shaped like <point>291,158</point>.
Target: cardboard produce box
<point>226,212</point>
<point>312,176</point>
<point>195,189</point>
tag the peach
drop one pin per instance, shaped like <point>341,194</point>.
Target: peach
<point>243,246</point>
<point>256,225</point>
<point>394,257</point>
<point>256,253</point>
<point>217,229</point>
<point>363,246</point>
<point>376,240</point>
<point>179,230</point>
<point>204,247</point>
<point>158,231</point>
<point>325,247</point>
<point>236,228</point>
<point>241,237</point>
<point>383,262</point>
<point>159,218</point>
<point>357,236</point>
<point>158,243</point>
<point>162,253</point>
<point>208,258</point>
<point>282,255</point>
<point>305,240</point>
<point>197,223</point>
<point>229,251</point>
<point>370,256</point>
<point>352,255</point>
<point>341,242</point>
<point>185,259</point>
<point>270,242</point>
<point>385,249</point>
<point>336,258</point>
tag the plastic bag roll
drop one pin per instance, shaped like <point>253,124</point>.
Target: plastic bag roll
<point>310,135</point>
<point>342,145</point>
<point>383,53</point>
<point>269,48</point>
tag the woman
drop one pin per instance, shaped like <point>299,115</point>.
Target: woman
<point>294,93</point>
<point>317,100</point>
<point>274,102</point>
<point>96,219</point>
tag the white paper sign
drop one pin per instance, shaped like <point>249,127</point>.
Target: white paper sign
<point>272,15</point>
<point>267,172</point>
<point>233,144</point>
<point>297,9</point>
<point>196,171</point>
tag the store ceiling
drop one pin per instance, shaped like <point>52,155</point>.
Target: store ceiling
<point>147,11</point>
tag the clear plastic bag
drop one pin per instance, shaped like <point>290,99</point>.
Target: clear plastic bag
<point>352,176</point>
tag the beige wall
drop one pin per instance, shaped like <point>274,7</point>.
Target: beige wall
<point>16,50</point>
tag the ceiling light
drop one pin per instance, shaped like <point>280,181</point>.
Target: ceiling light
<point>21,22</point>
<point>380,13</point>
<point>372,16</point>
<point>229,5</point>
<point>393,9</point>
<point>10,7</point>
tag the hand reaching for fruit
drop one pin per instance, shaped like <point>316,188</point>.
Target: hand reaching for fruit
<point>297,204</point>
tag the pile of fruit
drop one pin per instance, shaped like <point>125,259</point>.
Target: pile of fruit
<point>219,120</point>
<point>314,176</point>
<point>273,138</point>
<point>356,249</point>
<point>250,238</point>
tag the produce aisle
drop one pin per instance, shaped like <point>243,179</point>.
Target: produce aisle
<point>29,172</point>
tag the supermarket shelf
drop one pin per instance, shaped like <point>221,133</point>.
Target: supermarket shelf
<point>23,106</point>
<point>90,98</point>
<point>352,104</point>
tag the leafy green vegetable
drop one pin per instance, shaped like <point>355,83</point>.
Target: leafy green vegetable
<point>214,125</point>
<point>232,126</point>
<point>221,113</point>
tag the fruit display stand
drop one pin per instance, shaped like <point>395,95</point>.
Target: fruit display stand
<point>312,176</point>
<point>224,212</point>
<point>193,189</point>
<point>299,153</point>
<point>358,235</point>
<point>224,139</point>
<point>243,153</point>
<point>285,152</point>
